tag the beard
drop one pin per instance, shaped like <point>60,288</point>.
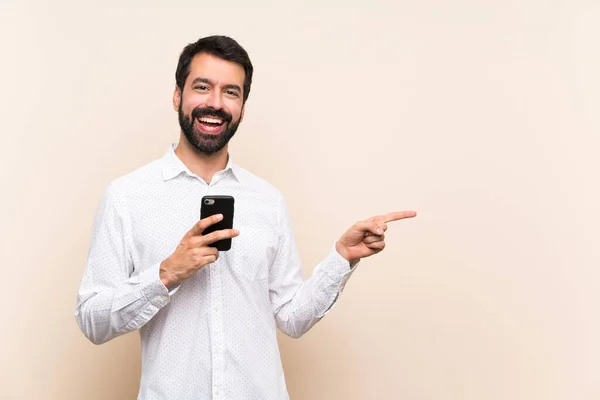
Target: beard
<point>207,143</point>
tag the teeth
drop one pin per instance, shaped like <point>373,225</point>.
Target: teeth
<point>211,120</point>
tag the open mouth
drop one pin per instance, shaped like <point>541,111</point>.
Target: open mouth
<point>210,125</point>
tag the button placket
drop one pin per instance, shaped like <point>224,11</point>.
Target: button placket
<point>217,329</point>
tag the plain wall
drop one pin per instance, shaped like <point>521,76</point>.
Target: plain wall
<point>483,116</point>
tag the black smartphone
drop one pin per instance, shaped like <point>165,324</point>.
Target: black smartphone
<point>218,204</point>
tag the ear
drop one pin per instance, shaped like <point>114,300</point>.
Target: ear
<point>176,98</point>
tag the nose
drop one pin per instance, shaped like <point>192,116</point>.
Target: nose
<point>214,100</point>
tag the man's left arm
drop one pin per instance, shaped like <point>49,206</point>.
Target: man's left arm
<point>298,304</point>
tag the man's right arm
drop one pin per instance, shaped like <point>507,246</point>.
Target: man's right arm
<point>112,300</point>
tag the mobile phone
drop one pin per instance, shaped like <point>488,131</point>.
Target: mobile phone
<point>218,204</point>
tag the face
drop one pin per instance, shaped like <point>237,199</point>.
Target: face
<point>210,106</point>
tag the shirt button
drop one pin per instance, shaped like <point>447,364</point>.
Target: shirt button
<point>165,298</point>
<point>216,308</point>
<point>213,267</point>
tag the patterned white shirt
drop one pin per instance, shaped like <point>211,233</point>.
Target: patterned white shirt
<point>213,336</point>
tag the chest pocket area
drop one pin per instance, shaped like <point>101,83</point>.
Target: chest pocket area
<point>252,253</point>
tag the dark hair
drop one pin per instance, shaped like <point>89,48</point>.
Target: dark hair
<point>222,47</point>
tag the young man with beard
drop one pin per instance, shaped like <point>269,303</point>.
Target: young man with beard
<point>208,320</point>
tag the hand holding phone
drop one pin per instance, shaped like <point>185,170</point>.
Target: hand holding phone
<point>200,245</point>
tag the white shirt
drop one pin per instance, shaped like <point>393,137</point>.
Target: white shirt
<point>214,336</point>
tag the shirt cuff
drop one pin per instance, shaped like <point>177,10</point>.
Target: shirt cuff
<point>153,289</point>
<point>338,270</point>
<point>339,266</point>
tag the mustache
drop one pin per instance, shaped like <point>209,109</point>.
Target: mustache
<point>211,112</point>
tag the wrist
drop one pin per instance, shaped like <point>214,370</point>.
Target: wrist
<point>165,277</point>
<point>343,251</point>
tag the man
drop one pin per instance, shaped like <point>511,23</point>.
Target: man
<point>208,320</point>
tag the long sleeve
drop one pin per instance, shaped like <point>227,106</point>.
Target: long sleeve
<point>298,304</point>
<point>114,297</point>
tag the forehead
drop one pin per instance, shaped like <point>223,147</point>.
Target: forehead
<point>220,71</point>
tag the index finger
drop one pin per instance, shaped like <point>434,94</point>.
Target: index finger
<point>395,216</point>
<point>201,225</point>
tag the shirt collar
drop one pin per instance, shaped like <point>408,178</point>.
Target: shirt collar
<point>172,166</point>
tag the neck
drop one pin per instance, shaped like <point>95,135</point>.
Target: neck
<point>199,163</point>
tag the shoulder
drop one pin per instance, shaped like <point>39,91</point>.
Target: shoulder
<point>257,184</point>
<point>138,179</point>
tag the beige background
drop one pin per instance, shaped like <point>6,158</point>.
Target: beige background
<point>481,115</point>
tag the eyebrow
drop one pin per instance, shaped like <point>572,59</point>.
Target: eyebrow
<point>208,81</point>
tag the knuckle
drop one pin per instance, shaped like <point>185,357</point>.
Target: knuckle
<point>209,259</point>
<point>207,239</point>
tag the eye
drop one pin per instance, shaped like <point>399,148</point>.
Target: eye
<point>201,87</point>
<point>232,93</point>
